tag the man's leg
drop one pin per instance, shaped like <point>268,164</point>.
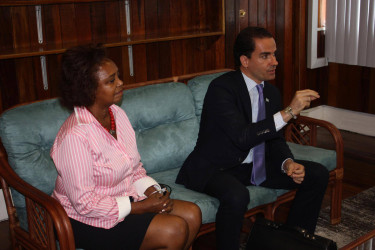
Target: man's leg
<point>307,203</point>
<point>234,198</point>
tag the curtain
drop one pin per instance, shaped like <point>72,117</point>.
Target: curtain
<point>350,32</point>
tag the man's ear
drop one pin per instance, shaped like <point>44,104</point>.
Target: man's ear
<point>244,61</point>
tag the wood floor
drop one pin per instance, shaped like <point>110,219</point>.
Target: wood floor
<point>359,174</point>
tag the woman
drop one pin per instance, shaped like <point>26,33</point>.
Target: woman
<point>101,183</point>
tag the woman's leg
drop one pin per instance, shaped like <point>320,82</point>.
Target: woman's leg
<point>174,230</point>
<point>192,214</point>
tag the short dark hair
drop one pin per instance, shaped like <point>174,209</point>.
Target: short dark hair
<point>245,44</point>
<point>78,80</point>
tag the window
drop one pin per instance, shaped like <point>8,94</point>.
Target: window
<point>316,34</point>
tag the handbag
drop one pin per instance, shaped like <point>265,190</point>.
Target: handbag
<point>269,235</point>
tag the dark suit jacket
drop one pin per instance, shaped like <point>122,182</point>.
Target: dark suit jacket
<point>227,133</point>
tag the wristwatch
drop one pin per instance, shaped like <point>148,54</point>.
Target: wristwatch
<point>289,111</point>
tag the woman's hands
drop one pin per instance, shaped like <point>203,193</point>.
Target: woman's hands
<point>155,203</point>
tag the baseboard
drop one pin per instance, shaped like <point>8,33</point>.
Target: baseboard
<point>358,122</point>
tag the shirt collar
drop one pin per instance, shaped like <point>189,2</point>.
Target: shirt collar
<point>84,116</point>
<point>250,83</point>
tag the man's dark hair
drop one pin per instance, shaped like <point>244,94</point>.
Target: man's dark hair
<point>245,44</point>
<point>78,80</point>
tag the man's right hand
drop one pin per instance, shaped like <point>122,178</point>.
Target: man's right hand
<point>300,101</point>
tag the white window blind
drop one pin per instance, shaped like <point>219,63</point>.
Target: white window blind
<point>350,32</point>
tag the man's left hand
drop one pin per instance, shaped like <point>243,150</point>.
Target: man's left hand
<point>295,171</point>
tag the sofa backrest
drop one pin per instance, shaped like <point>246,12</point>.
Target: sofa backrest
<point>198,87</point>
<point>27,133</point>
<point>163,117</point>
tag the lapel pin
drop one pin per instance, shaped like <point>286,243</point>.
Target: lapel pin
<point>267,100</point>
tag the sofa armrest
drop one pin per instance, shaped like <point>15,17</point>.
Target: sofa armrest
<point>303,131</point>
<point>44,214</point>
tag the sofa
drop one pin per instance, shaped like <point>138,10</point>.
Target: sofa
<point>165,115</point>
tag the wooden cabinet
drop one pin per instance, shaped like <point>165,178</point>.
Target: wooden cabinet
<point>148,39</point>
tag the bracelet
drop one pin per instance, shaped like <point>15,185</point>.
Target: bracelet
<point>160,191</point>
<point>289,111</point>
<point>156,191</point>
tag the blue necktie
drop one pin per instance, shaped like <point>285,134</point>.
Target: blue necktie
<point>258,174</point>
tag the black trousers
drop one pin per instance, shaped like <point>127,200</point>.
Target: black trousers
<point>229,187</point>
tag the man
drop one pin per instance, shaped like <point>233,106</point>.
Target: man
<point>238,147</point>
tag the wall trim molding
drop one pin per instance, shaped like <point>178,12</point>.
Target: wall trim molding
<point>358,122</point>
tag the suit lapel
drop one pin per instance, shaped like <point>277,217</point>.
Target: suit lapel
<point>267,98</point>
<point>244,94</point>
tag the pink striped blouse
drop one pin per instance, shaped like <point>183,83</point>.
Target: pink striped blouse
<point>96,172</point>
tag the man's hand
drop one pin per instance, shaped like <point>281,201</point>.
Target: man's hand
<point>295,171</point>
<point>302,100</point>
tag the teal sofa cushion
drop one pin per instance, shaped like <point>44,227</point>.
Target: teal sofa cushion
<point>163,117</point>
<point>198,87</point>
<point>209,204</point>
<point>28,133</point>
<point>323,156</point>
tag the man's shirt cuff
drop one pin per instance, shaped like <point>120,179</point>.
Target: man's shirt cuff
<point>279,122</point>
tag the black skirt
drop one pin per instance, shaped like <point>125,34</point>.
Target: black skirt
<point>127,234</point>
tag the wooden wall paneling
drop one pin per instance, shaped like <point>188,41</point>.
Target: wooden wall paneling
<point>137,8</point>
<point>112,22</point>
<point>26,79</point>
<point>68,25</point>
<point>98,22</point>
<point>152,58</point>
<point>54,76</point>
<point>230,31</point>
<point>176,46</point>
<point>6,31</point>
<point>253,12</point>
<point>371,103</point>
<point>152,49</point>
<point>32,24</point>
<point>21,29</point>
<point>332,84</point>
<point>202,55</point>
<point>300,57</point>
<point>243,20</point>
<point>271,16</point>
<point>37,84</point>
<point>8,84</point>
<point>213,10</point>
<point>83,23</point>
<point>219,55</point>
<point>351,90</point>
<point>52,25</point>
<point>164,17</point>
<point>262,13</point>
<point>284,39</point>
<point>123,60</point>
<point>200,52</point>
<point>1,99</point>
<point>140,63</point>
<point>176,58</point>
<point>365,88</point>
